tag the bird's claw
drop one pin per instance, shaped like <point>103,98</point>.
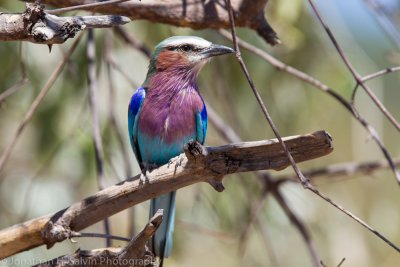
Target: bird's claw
<point>178,162</point>
<point>169,162</point>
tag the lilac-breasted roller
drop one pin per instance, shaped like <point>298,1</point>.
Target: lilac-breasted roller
<point>166,112</point>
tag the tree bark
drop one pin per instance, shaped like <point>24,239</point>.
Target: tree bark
<point>196,14</point>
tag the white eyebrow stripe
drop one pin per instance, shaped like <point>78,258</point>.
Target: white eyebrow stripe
<point>190,40</point>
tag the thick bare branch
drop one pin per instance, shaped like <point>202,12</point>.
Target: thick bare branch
<point>197,14</point>
<point>37,26</point>
<point>198,164</point>
<point>137,247</point>
<point>136,253</point>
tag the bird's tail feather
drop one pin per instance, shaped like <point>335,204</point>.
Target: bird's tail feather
<point>162,239</point>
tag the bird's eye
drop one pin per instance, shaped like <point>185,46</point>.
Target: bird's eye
<point>186,48</point>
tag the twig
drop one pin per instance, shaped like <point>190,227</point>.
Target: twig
<point>128,38</point>
<point>37,26</point>
<point>341,262</point>
<point>98,147</point>
<point>278,64</point>
<point>114,64</point>
<point>78,7</point>
<point>98,235</point>
<point>197,229</point>
<point>113,121</point>
<point>8,92</point>
<point>198,164</point>
<point>324,88</point>
<point>352,216</point>
<point>353,94</point>
<point>353,71</point>
<point>224,130</point>
<point>380,73</point>
<point>343,169</point>
<point>382,17</point>
<point>24,80</point>
<point>35,104</point>
<point>267,242</point>
<point>255,209</point>
<point>112,103</point>
<point>305,234</point>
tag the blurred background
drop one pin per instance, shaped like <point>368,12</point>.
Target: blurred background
<point>53,163</point>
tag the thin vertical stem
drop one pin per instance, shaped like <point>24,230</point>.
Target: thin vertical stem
<point>98,147</point>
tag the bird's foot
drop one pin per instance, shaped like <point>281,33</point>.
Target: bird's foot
<point>194,150</point>
<point>146,168</point>
<point>149,167</point>
<point>170,162</point>
<point>178,161</point>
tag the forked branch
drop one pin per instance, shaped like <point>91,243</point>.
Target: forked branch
<point>136,253</point>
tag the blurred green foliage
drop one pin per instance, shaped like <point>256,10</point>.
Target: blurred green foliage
<point>52,165</point>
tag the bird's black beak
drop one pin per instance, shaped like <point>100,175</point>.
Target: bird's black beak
<point>216,50</point>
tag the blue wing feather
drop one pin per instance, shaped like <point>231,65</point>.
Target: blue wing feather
<point>201,125</point>
<point>133,116</point>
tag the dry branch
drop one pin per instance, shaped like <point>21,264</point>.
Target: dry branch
<point>37,26</point>
<point>197,14</point>
<point>198,164</point>
<point>136,253</point>
<point>348,169</point>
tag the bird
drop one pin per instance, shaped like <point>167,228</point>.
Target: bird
<point>165,113</point>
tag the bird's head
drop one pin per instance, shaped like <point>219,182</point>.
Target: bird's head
<point>183,54</point>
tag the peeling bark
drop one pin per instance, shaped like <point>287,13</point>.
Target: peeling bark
<point>37,26</point>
